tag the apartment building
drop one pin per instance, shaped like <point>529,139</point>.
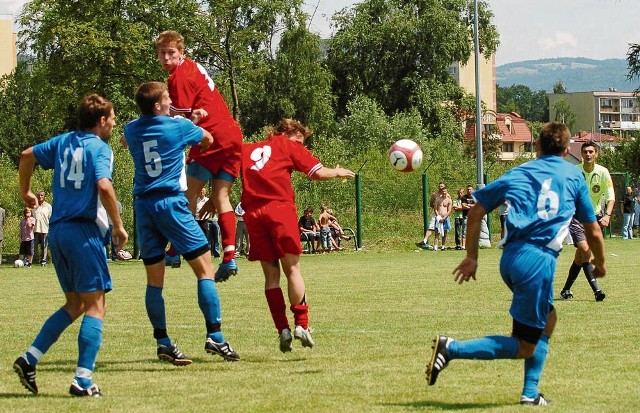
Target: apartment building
<point>608,112</point>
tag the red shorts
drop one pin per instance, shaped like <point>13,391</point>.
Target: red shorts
<point>273,231</point>
<point>226,151</point>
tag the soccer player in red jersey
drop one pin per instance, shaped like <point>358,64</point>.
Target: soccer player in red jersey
<point>194,95</point>
<point>272,220</point>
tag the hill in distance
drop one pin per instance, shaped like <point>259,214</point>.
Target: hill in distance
<point>578,74</point>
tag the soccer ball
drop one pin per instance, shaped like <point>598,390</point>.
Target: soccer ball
<point>18,263</point>
<point>405,155</point>
<point>124,255</point>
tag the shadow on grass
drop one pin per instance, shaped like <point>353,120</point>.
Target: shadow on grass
<point>447,406</point>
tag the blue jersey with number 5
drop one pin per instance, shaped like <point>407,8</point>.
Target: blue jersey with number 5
<point>157,146</point>
<point>78,159</point>
<point>543,195</point>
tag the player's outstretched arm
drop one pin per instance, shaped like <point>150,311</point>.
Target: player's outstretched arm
<point>25,172</point>
<point>596,244</point>
<point>325,173</point>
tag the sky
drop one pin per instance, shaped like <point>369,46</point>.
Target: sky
<point>529,29</point>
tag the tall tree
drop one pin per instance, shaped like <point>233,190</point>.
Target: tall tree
<point>397,51</point>
<point>532,106</point>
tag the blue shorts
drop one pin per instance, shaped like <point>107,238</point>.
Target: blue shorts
<point>165,217</point>
<point>195,170</point>
<point>528,270</point>
<point>79,257</point>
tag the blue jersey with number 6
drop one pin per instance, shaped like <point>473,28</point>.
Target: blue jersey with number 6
<point>157,145</point>
<point>543,195</point>
<point>78,159</point>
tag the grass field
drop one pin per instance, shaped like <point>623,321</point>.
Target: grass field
<point>374,315</point>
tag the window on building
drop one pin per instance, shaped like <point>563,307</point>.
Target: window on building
<point>606,103</point>
<point>627,103</point>
<point>507,147</point>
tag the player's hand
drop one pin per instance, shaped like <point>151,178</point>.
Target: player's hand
<point>465,270</point>
<point>599,270</point>
<point>123,142</point>
<point>344,173</point>
<point>604,221</point>
<point>207,140</point>
<point>197,115</point>
<point>29,199</point>
<point>208,209</point>
<point>119,237</point>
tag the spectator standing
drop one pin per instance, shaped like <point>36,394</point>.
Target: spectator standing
<point>202,217</point>
<point>627,205</point>
<point>42,214</point>
<point>269,202</point>
<point>325,230</point>
<point>163,215</point>
<point>2,217</point>
<point>504,211</point>
<point>27,225</point>
<point>242,235</point>
<point>636,212</point>
<point>113,251</point>
<point>78,227</point>
<point>459,220</point>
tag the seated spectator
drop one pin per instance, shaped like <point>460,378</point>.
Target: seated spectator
<point>309,231</point>
<point>336,228</point>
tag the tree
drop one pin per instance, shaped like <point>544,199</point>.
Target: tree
<point>392,51</point>
<point>559,88</point>
<point>564,112</point>
<point>532,106</point>
<point>633,61</point>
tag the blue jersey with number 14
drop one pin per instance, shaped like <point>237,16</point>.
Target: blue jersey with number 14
<point>78,159</point>
<point>543,194</point>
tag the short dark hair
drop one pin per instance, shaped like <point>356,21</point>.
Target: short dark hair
<point>590,143</point>
<point>554,138</point>
<point>91,109</point>
<point>148,95</point>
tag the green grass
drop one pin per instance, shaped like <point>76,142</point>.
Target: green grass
<point>374,316</point>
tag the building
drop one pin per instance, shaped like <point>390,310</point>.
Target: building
<point>610,112</point>
<point>511,129</point>
<point>7,46</point>
<point>575,143</point>
<point>464,75</point>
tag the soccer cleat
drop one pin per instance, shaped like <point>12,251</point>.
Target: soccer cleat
<point>172,355</point>
<point>599,295</point>
<point>226,270</point>
<point>224,350</point>
<point>439,358</point>
<point>566,294</point>
<point>538,401</point>
<point>77,391</point>
<point>285,340</point>
<point>304,335</point>
<point>443,248</point>
<point>27,374</point>
<point>424,246</point>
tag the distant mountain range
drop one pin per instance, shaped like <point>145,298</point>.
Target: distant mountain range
<point>577,74</point>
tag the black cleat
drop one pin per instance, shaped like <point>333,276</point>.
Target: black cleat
<point>439,358</point>
<point>27,374</point>
<point>538,401</point>
<point>566,294</point>
<point>173,355</point>
<point>76,391</point>
<point>285,340</point>
<point>600,295</point>
<point>224,350</point>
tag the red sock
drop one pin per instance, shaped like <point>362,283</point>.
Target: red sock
<point>278,308</point>
<point>171,251</point>
<point>227,223</point>
<point>301,315</point>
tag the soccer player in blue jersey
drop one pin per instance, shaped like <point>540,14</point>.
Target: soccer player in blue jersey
<point>83,195</point>
<point>543,194</point>
<point>157,143</point>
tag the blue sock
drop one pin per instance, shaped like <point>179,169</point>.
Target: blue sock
<point>209,303</point>
<point>533,368</point>
<point>49,334</point>
<point>485,348</point>
<point>89,340</point>
<point>156,312</point>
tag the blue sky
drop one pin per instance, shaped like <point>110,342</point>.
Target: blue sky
<point>529,29</point>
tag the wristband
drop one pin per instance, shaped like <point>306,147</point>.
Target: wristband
<point>607,214</point>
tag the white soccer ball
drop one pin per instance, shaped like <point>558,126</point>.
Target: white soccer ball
<point>18,263</point>
<point>124,255</point>
<point>405,155</point>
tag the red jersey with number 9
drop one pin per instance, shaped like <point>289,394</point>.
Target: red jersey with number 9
<point>267,167</point>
